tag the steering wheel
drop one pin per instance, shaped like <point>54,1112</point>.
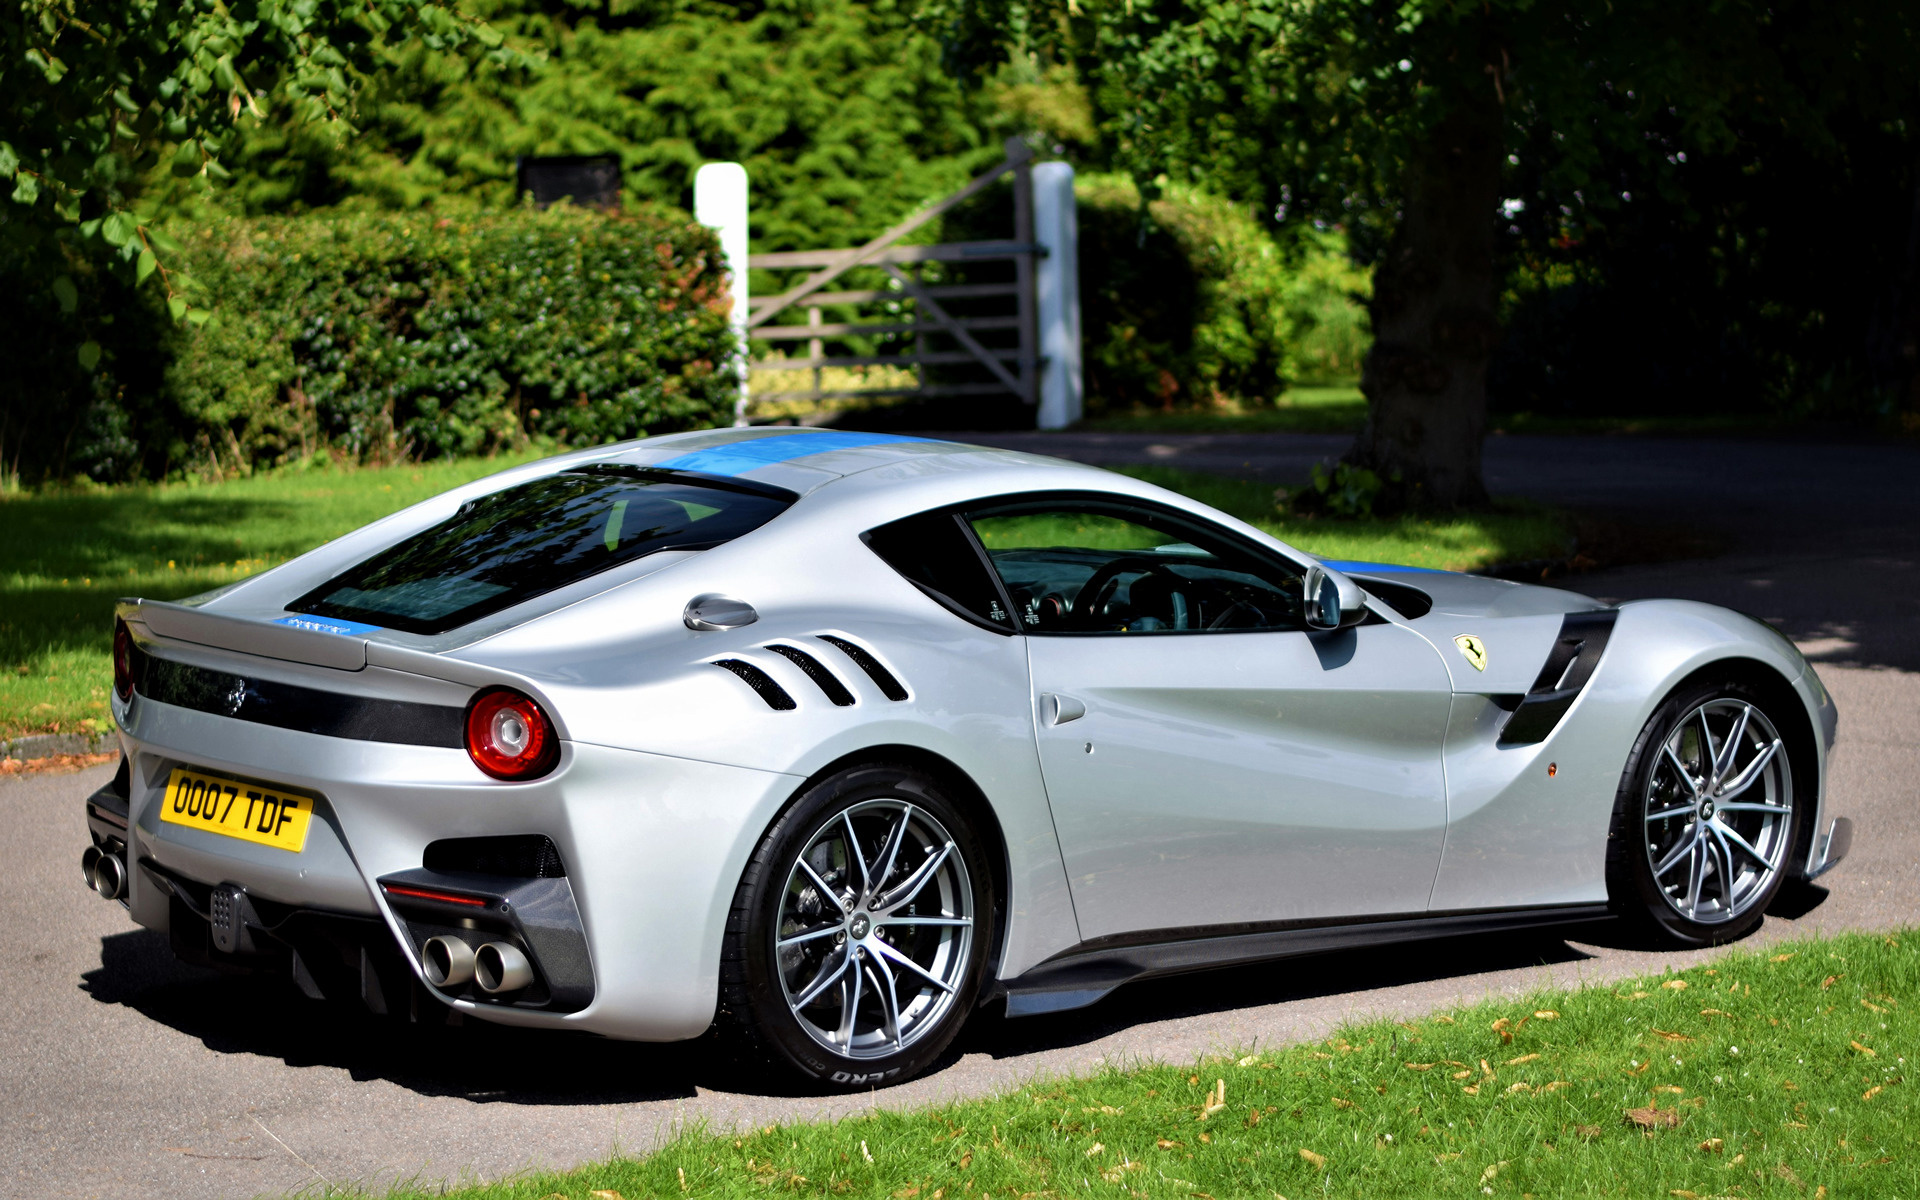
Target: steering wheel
<point>1237,607</point>
<point>1093,594</point>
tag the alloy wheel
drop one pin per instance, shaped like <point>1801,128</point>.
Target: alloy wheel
<point>875,931</point>
<point>1718,812</point>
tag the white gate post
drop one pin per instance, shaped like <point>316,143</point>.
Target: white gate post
<point>720,200</point>
<point>1056,226</point>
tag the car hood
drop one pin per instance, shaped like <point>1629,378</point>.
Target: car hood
<point>1454,594</point>
<point>1492,634</point>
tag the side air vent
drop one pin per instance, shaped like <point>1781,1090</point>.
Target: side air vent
<point>882,678</point>
<point>1409,602</point>
<point>517,856</point>
<point>761,682</point>
<point>1571,662</point>
<point>822,678</point>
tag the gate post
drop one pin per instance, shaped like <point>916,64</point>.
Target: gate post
<point>1056,226</point>
<point>720,200</point>
<point>1021,157</point>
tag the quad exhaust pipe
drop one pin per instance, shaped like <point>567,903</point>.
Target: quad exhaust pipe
<point>448,961</point>
<point>496,967</point>
<point>105,873</point>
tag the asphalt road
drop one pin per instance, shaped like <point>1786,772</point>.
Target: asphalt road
<point>126,1075</point>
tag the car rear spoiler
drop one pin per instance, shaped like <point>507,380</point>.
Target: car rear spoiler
<point>247,635</point>
<point>308,641</point>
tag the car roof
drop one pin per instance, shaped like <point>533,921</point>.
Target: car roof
<point>798,459</point>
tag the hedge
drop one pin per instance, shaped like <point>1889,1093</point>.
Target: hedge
<point>381,336</point>
<point>1188,301</point>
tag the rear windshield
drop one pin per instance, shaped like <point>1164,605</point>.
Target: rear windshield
<point>522,541</point>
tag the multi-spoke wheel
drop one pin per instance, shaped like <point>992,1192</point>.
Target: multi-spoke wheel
<point>858,934</point>
<point>1704,824</point>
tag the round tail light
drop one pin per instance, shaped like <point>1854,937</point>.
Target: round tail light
<point>122,660</point>
<point>509,736</point>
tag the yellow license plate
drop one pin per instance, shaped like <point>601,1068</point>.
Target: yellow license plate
<point>270,816</point>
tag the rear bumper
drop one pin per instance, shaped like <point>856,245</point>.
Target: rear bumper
<point>626,942</point>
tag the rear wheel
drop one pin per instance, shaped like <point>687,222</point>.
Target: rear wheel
<point>855,947</point>
<point>1704,822</point>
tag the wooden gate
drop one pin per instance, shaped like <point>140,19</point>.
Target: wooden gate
<point>916,319</point>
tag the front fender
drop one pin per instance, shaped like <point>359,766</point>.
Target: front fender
<point>1519,836</point>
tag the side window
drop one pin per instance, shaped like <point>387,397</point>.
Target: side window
<point>1090,566</point>
<point>934,551</point>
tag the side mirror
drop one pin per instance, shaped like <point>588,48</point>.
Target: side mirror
<point>1333,600</point>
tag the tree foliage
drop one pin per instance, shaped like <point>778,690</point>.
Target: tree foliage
<point>96,96</point>
<point>839,109</point>
<point>1773,265</point>
<point>1418,125</point>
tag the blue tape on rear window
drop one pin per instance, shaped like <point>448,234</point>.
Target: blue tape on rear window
<point>1374,568</point>
<point>328,625</point>
<point>737,458</point>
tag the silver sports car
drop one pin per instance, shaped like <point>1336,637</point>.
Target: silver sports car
<point>833,738</point>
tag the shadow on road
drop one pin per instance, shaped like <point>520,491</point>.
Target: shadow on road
<point>251,1015</point>
<point>266,1016</point>
<point>1262,984</point>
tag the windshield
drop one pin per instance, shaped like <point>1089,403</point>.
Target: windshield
<point>534,537</point>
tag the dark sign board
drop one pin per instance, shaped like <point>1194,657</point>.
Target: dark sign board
<point>588,180</point>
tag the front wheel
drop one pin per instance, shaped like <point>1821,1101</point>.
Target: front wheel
<point>855,947</point>
<point>1704,821</point>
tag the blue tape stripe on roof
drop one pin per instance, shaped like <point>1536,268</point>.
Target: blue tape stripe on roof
<point>737,458</point>
<point>1374,568</point>
<point>327,625</point>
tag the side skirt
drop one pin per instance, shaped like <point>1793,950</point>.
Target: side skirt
<point>1078,977</point>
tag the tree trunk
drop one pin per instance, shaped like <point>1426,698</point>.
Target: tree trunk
<point>1434,329</point>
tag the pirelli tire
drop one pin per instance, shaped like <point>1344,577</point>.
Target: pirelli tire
<point>859,934</point>
<point>1705,822</point>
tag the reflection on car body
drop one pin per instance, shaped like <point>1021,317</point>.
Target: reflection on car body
<point>834,738</point>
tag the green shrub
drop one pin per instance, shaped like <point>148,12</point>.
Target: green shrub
<point>377,337</point>
<point>1190,301</point>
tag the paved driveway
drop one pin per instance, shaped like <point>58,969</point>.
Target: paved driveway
<point>127,1075</point>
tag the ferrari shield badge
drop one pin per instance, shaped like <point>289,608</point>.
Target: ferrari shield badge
<point>1473,648</point>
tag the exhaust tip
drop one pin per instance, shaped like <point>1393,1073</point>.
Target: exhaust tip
<point>109,876</point>
<point>88,858</point>
<point>499,967</point>
<point>448,961</point>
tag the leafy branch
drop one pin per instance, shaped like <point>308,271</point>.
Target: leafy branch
<point>90,105</point>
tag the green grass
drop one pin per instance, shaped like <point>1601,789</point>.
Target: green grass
<point>1338,408</point>
<point>1778,1072</point>
<point>69,554</point>
<point>1510,532</point>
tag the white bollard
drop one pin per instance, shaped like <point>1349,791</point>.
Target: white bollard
<point>720,201</point>
<point>1056,226</point>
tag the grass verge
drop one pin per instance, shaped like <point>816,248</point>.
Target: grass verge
<point>1777,1072</point>
<point>1512,531</point>
<point>71,553</point>
<point>1340,408</point>
<point>1337,408</point>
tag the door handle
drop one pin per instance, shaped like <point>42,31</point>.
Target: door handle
<point>1058,710</point>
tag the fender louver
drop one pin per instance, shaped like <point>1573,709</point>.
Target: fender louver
<point>822,678</point>
<point>882,678</point>
<point>761,682</point>
<point>1576,652</point>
